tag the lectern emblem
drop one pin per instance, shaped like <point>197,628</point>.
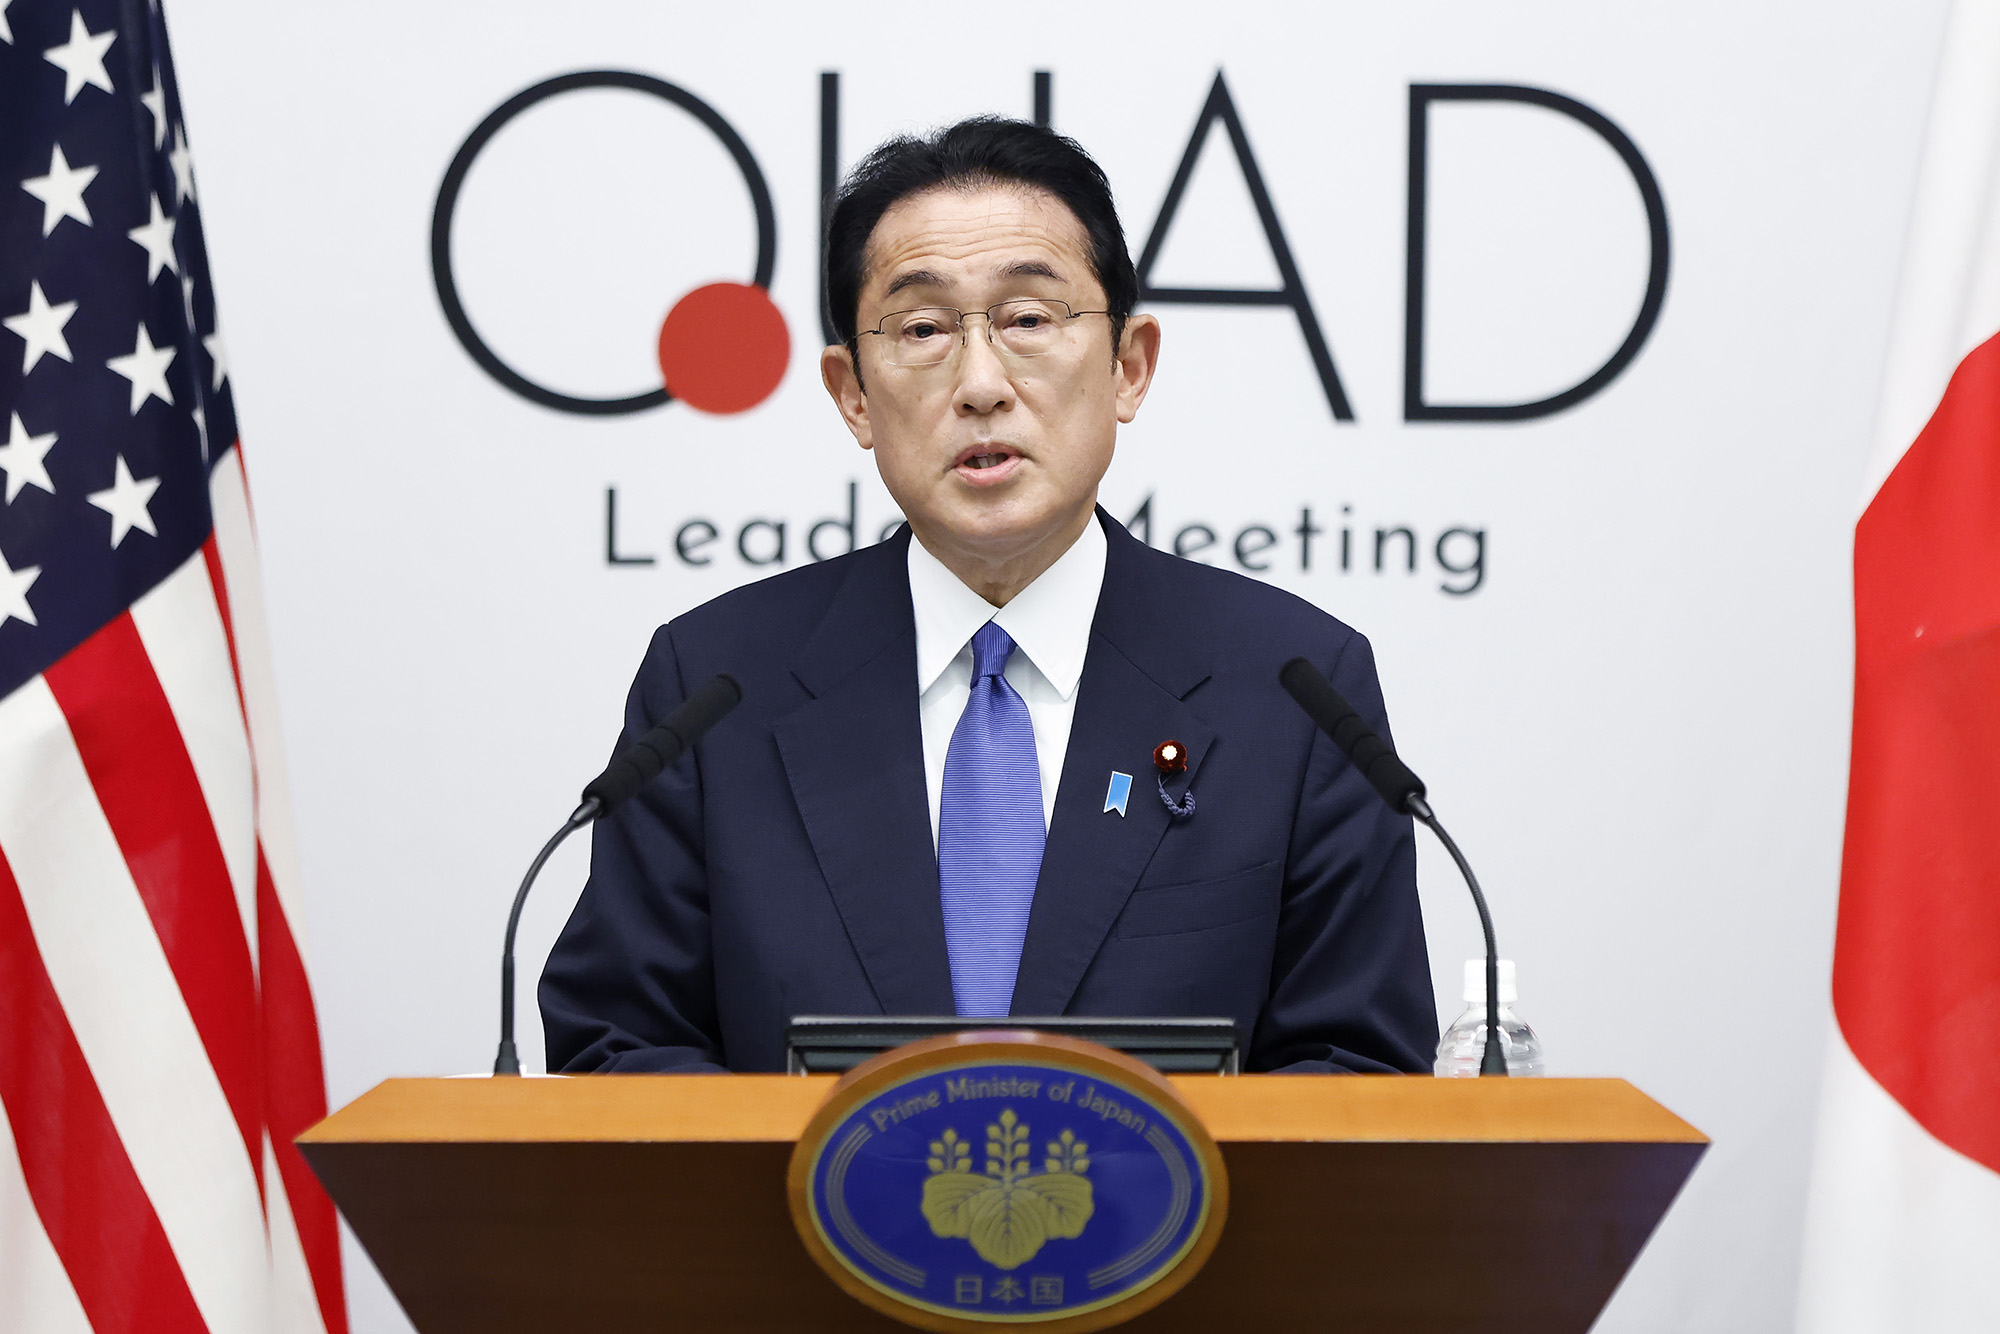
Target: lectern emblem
<point>1010,1211</point>
<point>999,1178</point>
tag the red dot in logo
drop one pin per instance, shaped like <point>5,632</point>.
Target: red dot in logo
<point>723,347</point>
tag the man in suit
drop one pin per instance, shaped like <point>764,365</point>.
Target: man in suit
<point>1011,760</point>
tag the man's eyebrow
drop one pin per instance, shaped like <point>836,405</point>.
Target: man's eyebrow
<point>914,278</point>
<point>1030,268</point>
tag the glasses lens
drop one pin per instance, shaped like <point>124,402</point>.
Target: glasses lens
<point>1030,328</point>
<point>921,337</point>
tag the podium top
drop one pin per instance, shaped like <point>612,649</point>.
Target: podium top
<point>776,1108</point>
<point>500,1205</point>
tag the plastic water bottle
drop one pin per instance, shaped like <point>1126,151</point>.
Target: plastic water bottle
<point>1465,1041</point>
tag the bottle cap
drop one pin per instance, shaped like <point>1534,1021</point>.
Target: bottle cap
<point>1475,982</point>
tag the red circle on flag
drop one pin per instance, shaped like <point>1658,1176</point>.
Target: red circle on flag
<point>724,347</point>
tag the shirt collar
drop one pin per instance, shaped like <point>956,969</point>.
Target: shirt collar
<point>1049,620</point>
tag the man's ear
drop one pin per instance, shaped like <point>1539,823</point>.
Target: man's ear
<point>1138,356</point>
<point>843,381</point>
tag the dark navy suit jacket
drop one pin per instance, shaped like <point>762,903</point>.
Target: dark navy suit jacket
<point>789,868</point>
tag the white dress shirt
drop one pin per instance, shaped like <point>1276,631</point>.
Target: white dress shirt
<point>1049,622</point>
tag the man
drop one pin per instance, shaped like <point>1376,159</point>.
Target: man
<point>1011,760</point>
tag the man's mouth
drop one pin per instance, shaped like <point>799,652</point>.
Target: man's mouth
<point>986,464</point>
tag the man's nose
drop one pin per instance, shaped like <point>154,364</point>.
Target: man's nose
<point>983,384</point>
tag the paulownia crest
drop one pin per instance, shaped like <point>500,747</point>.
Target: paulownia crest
<point>1008,1213</point>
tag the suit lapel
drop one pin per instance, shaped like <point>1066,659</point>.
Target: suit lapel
<point>1132,697</point>
<point>855,758</point>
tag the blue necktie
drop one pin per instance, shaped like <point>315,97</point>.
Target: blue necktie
<point>990,833</point>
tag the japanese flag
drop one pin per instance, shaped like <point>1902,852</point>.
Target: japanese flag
<point>1903,1223</point>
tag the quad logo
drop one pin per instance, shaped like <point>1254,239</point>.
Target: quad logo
<point>724,346</point>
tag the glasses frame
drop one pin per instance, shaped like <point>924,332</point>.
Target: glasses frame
<point>964,315</point>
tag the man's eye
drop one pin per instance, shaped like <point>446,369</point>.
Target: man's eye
<point>1030,321</point>
<point>921,331</point>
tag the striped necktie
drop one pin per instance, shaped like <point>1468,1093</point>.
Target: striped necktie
<point>990,833</point>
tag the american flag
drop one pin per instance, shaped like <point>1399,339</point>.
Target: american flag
<point>158,1048</point>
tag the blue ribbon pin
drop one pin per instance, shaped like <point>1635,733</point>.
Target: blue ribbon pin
<point>1119,793</point>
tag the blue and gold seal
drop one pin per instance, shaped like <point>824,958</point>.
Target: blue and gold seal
<point>1008,1178</point>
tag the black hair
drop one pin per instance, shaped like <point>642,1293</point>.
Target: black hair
<point>985,150</point>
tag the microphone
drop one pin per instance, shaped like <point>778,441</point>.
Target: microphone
<point>642,762</point>
<point>663,745</point>
<point>1404,791</point>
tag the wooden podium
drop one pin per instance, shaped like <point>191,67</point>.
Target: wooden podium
<point>1361,1203</point>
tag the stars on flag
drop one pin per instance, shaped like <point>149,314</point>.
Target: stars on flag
<point>21,459</point>
<point>81,58</point>
<point>146,367</point>
<point>218,356</point>
<point>98,506</point>
<point>157,236</point>
<point>182,162</point>
<point>41,326</point>
<point>14,586</point>
<point>128,502</point>
<point>61,191</point>
<point>156,103</point>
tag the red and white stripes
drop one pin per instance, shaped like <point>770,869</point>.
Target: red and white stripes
<point>306,1235</point>
<point>161,1048</point>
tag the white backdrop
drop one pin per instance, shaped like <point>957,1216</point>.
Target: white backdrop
<point>1636,722</point>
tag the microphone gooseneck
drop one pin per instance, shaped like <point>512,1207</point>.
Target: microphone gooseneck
<point>1404,791</point>
<point>1492,1061</point>
<point>507,1061</point>
<point>638,765</point>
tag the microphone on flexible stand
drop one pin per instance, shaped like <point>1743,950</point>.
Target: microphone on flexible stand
<point>629,772</point>
<point>1404,791</point>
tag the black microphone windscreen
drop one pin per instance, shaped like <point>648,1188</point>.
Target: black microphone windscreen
<point>677,732</point>
<point>1326,706</point>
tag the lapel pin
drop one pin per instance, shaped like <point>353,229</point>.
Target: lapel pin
<point>1119,792</point>
<point>1170,758</point>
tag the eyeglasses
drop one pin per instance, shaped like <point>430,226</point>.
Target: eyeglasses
<point>931,335</point>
